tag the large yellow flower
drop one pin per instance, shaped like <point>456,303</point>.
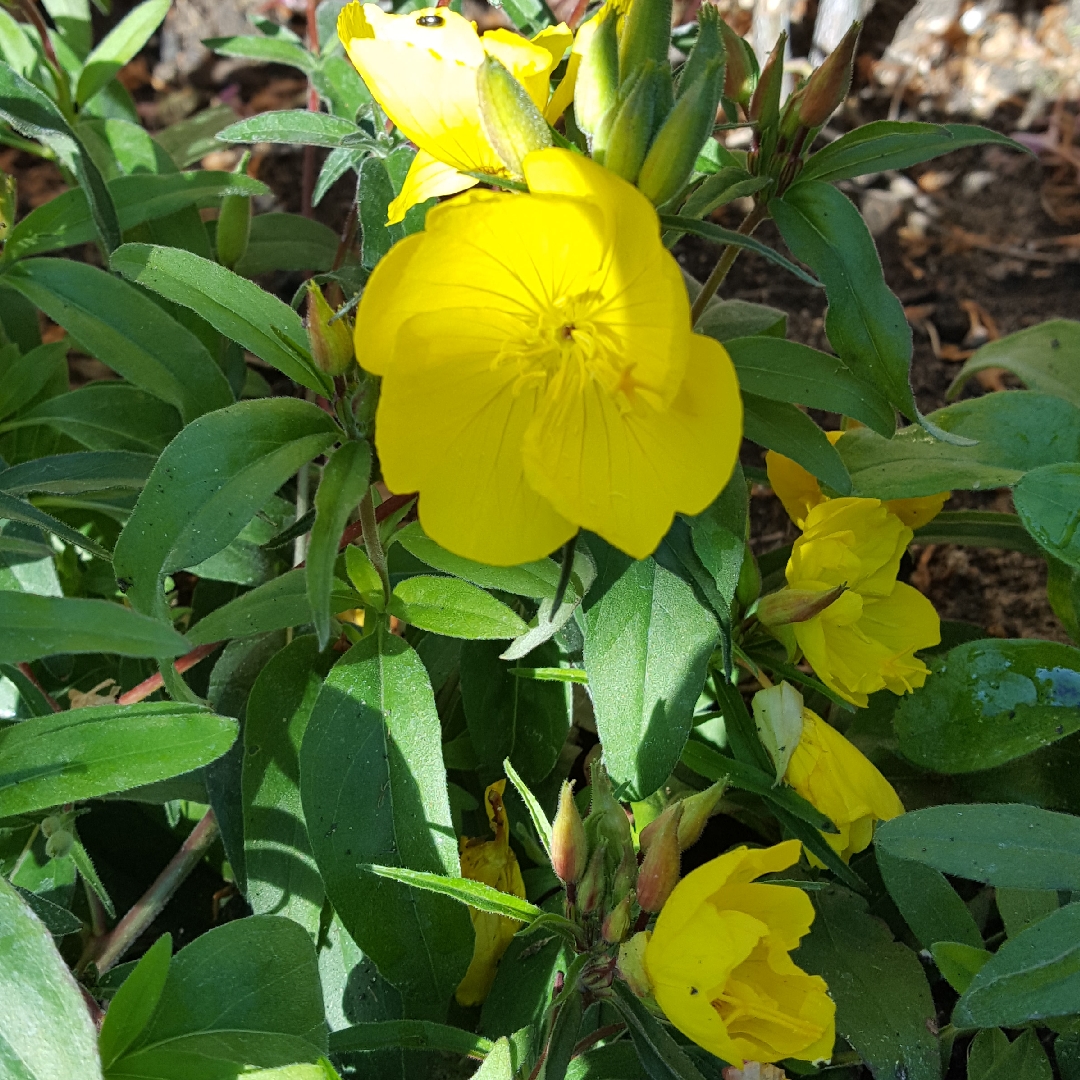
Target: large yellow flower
<point>834,776</point>
<point>421,68</point>
<point>540,373</point>
<point>719,966</point>
<point>865,640</point>
<point>494,863</point>
<point>799,492</point>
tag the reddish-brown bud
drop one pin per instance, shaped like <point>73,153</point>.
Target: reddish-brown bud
<point>696,811</point>
<point>617,923</point>
<point>659,872</point>
<point>569,847</point>
<point>795,605</point>
<point>738,79</point>
<point>829,85</point>
<point>765,104</point>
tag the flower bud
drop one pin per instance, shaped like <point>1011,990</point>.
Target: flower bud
<point>708,47</point>
<point>625,875</point>
<point>631,964</point>
<point>8,200</point>
<point>635,120</point>
<point>828,86</point>
<point>597,87</point>
<point>233,229</point>
<point>739,71</point>
<point>590,893</point>
<point>659,872</point>
<point>671,157</point>
<point>59,844</point>
<point>795,605</point>
<point>569,846</point>
<point>645,38</point>
<point>696,811</point>
<point>778,717</point>
<point>512,123</point>
<point>331,343</point>
<point>617,922</point>
<point>765,104</point>
<point>607,822</point>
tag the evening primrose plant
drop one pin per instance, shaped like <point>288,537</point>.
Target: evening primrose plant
<point>391,626</point>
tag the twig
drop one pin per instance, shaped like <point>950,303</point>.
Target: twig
<point>727,258</point>
<point>144,911</point>
<point>155,682</point>
<point>25,669</point>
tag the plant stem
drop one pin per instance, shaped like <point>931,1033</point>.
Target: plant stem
<point>155,682</point>
<point>25,853</point>
<point>28,673</point>
<point>144,911</point>
<point>727,258</point>
<point>372,543</point>
<point>303,492</point>
<point>597,1036</point>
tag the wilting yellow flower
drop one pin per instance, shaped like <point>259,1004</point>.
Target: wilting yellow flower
<point>540,373</point>
<point>837,778</point>
<point>494,863</point>
<point>800,492</point>
<point>865,640</point>
<point>421,68</point>
<point>719,962</point>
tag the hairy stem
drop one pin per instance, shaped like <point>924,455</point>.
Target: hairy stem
<point>372,542</point>
<point>727,259</point>
<point>155,682</point>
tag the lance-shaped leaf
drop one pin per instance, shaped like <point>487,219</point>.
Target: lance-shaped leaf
<point>17,510</point>
<point>71,474</point>
<point>409,1035</point>
<point>290,126</point>
<point>119,46</point>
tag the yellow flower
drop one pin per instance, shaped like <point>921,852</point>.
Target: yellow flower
<point>494,863</point>
<point>540,373</point>
<point>800,492</point>
<point>421,68</point>
<point>834,776</point>
<point>865,640</point>
<point>719,966</point>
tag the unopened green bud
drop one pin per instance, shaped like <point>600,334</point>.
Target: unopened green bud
<point>234,223</point>
<point>778,717</point>
<point>8,188</point>
<point>59,844</point>
<point>795,605</point>
<point>597,87</point>
<point>590,894</point>
<point>708,47</point>
<point>617,922</point>
<point>646,36</point>
<point>696,811</point>
<point>635,121</point>
<point>625,875</point>
<point>829,85</point>
<point>331,343</point>
<point>569,845</point>
<point>659,872</point>
<point>670,159</point>
<point>739,70</point>
<point>607,821</point>
<point>765,104</point>
<point>511,121</point>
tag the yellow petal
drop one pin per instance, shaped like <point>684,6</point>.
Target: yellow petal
<point>915,513</point>
<point>427,178</point>
<point>530,62</point>
<point>797,489</point>
<point>381,311</point>
<point>904,622</point>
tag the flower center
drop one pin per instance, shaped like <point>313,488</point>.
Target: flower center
<point>732,1008</point>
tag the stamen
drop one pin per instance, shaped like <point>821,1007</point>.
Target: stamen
<point>758,1011</point>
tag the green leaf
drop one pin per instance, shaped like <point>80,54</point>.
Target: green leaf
<point>718,235</point>
<point>88,872</point>
<point>66,220</point>
<point>787,371</point>
<point>1033,976</point>
<point>718,189</point>
<point>125,330</point>
<point>27,375</point>
<point>1048,502</point>
<point>281,873</point>
<point>344,482</point>
<point>1063,592</point>
<point>45,1029</point>
<point>17,510</point>
<point>236,307</point>
<point>73,474</point>
<point>341,87</point>
<point>119,46</point>
<point>58,920</point>
<point>290,126</point>
<point>883,1003</point>
<point>453,608</point>
<point>958,963</point>
<point>536,811</point>
<point>86,753</point>
<point>914,463</point>
<point>1043,357</point>
<point>647,648</point>
<point>525,720</point>
<point>1019,908</point>
<point>208,484</point>
<point>134,1003</point>
<point>1017,846</point>
<point>993,1057</point>
<point>662,1056</point>
<point>268,49</point>
<point>374,791</point>
<point>31,113</point>
<point>278,604</point>
<point>864,322</point>
<point>188,140</point>
<point>893,144</point>
<point>779,426</point>
<point>287,242</point>
<point>978,528</point>
<point>243,994</point>
<point>726,320</point>
<point>988,702</point>
<point>106,416</point>
<point>409,1035</point>
<point>930,905</point>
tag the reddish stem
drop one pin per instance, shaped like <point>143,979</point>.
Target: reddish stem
<point>155,682</point>
<point>600,1033</point>
<point>25,669</point>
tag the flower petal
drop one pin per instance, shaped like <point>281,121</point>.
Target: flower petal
<point>427,178</point>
